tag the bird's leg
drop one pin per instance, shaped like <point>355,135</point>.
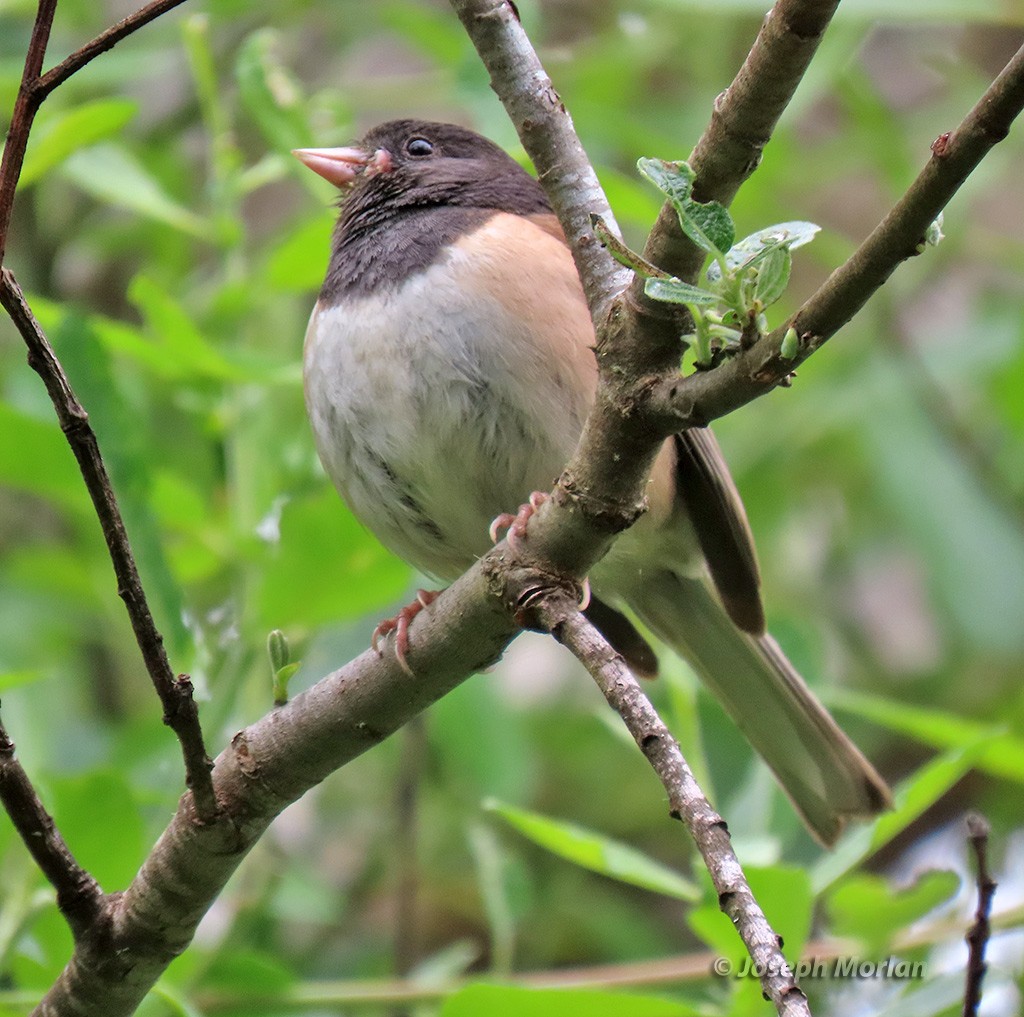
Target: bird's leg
<point>400,626</point>
<point>516,524</point>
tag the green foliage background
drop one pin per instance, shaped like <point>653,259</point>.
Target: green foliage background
<point>172,250</point>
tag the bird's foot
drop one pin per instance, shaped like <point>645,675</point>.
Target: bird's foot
<point>516,524</point>
<point>400,626</point>
<point>516,527</point>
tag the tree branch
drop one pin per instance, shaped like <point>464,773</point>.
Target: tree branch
<point>36,86</point>
<point>25,108</point>
<point>180,711</point>
<point>103,42</point>
<point>706,395</point>
<point>274,761</point>
<point>267,766</point>
<point>546,131</point>
<point>561,617</point>
<point>742,122</point>
<point>79,896</point>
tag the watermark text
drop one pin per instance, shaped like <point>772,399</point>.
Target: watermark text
<point>886,968</point>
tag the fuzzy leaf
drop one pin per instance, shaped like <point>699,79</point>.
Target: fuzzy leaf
<point>675,291</point>
<point>709,224</point>
<point>773,275</point>
<point>673,179</point>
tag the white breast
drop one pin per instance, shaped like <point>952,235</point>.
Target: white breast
<point>448,400</point>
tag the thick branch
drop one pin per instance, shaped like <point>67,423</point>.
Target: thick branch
<point>79,896</point>
<point>267,766</point>
<point>743,120</point>
<point>706,395</point>
<point>561,617</point>
<point>180,712</point>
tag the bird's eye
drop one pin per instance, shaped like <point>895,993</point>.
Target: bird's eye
<point>419,147</point>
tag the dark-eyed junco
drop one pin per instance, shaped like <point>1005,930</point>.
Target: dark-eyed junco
<point>448,372</point>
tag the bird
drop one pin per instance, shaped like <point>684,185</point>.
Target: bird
<point>448,368</point>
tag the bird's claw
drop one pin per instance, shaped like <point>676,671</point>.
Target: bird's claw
<point>516,524</point>
<point>400,626</point>
<point>516,527</point>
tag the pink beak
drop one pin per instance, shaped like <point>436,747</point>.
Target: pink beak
<point>341,166</point>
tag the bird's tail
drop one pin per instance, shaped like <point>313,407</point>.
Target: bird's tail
<point>822,771</point>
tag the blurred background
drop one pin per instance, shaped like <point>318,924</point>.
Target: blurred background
<point>172,250</point>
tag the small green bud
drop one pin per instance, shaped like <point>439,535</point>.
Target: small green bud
<point>277,647</point>
<point>281,666</point>
<point>790,344</point>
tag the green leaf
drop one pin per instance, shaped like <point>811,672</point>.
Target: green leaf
<point>784,894</point>
<point>870,909</point>
<point>246,971</point>
<point>709,223</point>
<point>15,679</point>
<point>596,852</point>
<point>773,275</point>
<point>88,810</point>
<point>180,341</point>
<point>1001,753</point>
<point>752,249</point>
<point>112,174</point>
<point>790,344</point>
<point>430,30</point>
<point>914,795</point>
<point>509,1001</point>
<point>271,94</point>
<point>623,254</point>
<point>939,996</point>
<point>55,138</point>
<point>296,264</point>
<point>673,179</point>
<point>124,452</point>
<point>675,291</point>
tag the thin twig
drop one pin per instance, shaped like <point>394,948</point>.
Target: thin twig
<point>56,76</point>
<point>36,86</point>
<point>25,107</point>
<point>180,711</point>
<point>79,896</point>
<point>707,395</point>
<point>561,617</point>
<point>978,934</point>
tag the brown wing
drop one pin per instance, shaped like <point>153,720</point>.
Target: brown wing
<point>714,507</point>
